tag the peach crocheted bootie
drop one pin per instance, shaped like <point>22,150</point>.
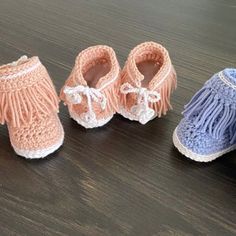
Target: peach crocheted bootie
<point>147,82</point>
<point>92,87</point>
<point>29,106</point>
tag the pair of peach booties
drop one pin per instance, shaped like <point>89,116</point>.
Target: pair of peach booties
<point>96,89</point>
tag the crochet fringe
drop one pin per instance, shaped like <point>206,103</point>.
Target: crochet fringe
<point>212,114</point>
<point>19,106</point>
<point>110,93</point>
<point>166,88</point>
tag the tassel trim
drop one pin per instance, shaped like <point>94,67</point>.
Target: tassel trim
<point>212,113</point>
<point>165,90</point>
<point>20,105</point>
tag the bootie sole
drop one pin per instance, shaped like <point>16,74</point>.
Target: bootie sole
<point>94,124</point>
<point>40,153</point>
<point>198,157</point>
<point>128,115</point>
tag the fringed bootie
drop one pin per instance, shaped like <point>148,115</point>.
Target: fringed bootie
<point>147,82</point>
<point>29,106</point>
<point>91,90</point>
<point>208,129</point>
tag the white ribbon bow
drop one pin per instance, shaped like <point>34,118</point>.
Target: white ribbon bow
<point>142,110</point>
<point>74,95</point>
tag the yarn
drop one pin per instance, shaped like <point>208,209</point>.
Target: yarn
<point>213,108</point>
<point>87,104</point>
<point>208,129</point>
<point>163,82</point>
<point>29,106</point>
<point>25,95</point>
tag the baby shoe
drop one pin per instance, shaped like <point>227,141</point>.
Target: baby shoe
<point>29,106</point>
<point>208,129</point>
<point>91,90</point>
<point>147,81</point>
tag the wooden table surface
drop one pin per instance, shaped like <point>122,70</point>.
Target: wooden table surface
<point>124,178</point>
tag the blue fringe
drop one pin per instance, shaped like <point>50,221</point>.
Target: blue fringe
<point>212,114</point>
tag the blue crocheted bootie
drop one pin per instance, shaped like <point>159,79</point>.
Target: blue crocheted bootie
<point>208,129</point>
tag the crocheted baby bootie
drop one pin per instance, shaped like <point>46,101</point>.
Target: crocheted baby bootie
<point>147,82</point>
<point>29,106</point>
<point>208,129</point>
<point>91,89</point>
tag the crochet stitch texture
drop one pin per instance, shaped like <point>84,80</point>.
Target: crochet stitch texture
<point>91,90</point>
<point>29,106</point>
<point>147,81</point>
<point>208,129</point>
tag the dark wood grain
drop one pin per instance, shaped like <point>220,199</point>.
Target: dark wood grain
<point>124,178</point>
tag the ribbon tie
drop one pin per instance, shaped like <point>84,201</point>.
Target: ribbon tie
<point>144,96</point>
<point>74,95</point>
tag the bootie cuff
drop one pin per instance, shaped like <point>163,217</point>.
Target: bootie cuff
<point>25,91</point>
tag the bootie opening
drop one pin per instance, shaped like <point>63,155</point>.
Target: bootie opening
<point>149,63</point>
<point>96,63</point>
<point>14,64</point>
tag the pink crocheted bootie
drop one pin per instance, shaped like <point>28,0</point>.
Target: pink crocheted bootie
<point>92,87</point>
<point>147,82</point>
<point>29,106</point>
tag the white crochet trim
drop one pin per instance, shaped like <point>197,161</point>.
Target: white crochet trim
<point>21,73</point>
<point>128,115</point>
<point>141,111</point>
<point>222,77</point>
<point>41,153</point>
<point>198,157</point>
<point>74,95</point>
<point>95,123</point>
<point>110,81</point>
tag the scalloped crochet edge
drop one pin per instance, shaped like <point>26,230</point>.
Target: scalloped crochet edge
<point>198,157</point>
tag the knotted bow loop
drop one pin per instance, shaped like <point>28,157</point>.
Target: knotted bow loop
<point>74,95</point>
<point>143,93</point>
<point>142,110</point>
